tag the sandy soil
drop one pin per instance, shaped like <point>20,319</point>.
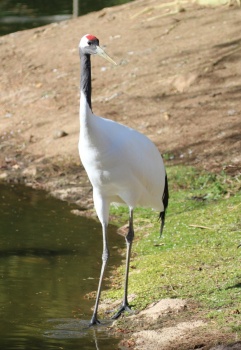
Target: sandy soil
<point>173,324</point>
<point>178,81</point>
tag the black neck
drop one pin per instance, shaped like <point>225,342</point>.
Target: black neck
<point>85,81</point>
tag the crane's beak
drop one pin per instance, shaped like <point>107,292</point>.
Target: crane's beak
<point>102,53</point>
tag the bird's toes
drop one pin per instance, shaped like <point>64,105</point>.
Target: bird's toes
<point>94,321</point>
<point>123,308</point>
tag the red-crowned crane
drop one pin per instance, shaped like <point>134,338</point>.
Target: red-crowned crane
<point>123,166</point>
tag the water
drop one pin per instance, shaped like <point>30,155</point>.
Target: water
<point>18,15</point>
<point>49,260</point>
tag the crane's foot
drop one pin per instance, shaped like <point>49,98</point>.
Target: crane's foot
<point>94,321</point>
<point>123,308</point>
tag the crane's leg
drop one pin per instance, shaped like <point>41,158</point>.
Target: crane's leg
<point>102,210</point>
<point>129,240</point>
<point>94,320</point>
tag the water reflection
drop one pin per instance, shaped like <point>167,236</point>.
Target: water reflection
<point>49,260</point>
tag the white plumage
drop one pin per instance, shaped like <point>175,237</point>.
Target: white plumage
<point>123,165</point>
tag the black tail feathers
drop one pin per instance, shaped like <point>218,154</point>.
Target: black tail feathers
<point>165,204</point>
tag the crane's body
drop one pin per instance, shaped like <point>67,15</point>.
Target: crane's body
<point>137,178</point>
<point>123,165</point>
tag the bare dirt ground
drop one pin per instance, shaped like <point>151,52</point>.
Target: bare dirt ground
<point>178,81</point>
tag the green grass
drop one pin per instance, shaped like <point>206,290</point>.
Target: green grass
<point>189,262</point>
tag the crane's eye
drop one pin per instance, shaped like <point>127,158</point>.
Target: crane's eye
<point>89,43</point>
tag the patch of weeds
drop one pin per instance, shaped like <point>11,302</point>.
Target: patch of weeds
<point>214,314</point>
<point>205,185</point>
<point>168,156</point>
<point>236,328</point>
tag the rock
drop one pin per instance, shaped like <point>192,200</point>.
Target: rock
<point>59,133</point>
<point>3,176</point>
<point>30,171</point>
<point>182,82</point>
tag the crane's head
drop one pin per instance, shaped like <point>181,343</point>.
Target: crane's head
<point>89,45</point>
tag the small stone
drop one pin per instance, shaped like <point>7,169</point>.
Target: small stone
<point>3,176</point>
<point>59,133</point>
<point>30,171</point>
<point>166,116</point>
<point>231,112</point>
<point>16,166</point>
<point>182,82</point>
